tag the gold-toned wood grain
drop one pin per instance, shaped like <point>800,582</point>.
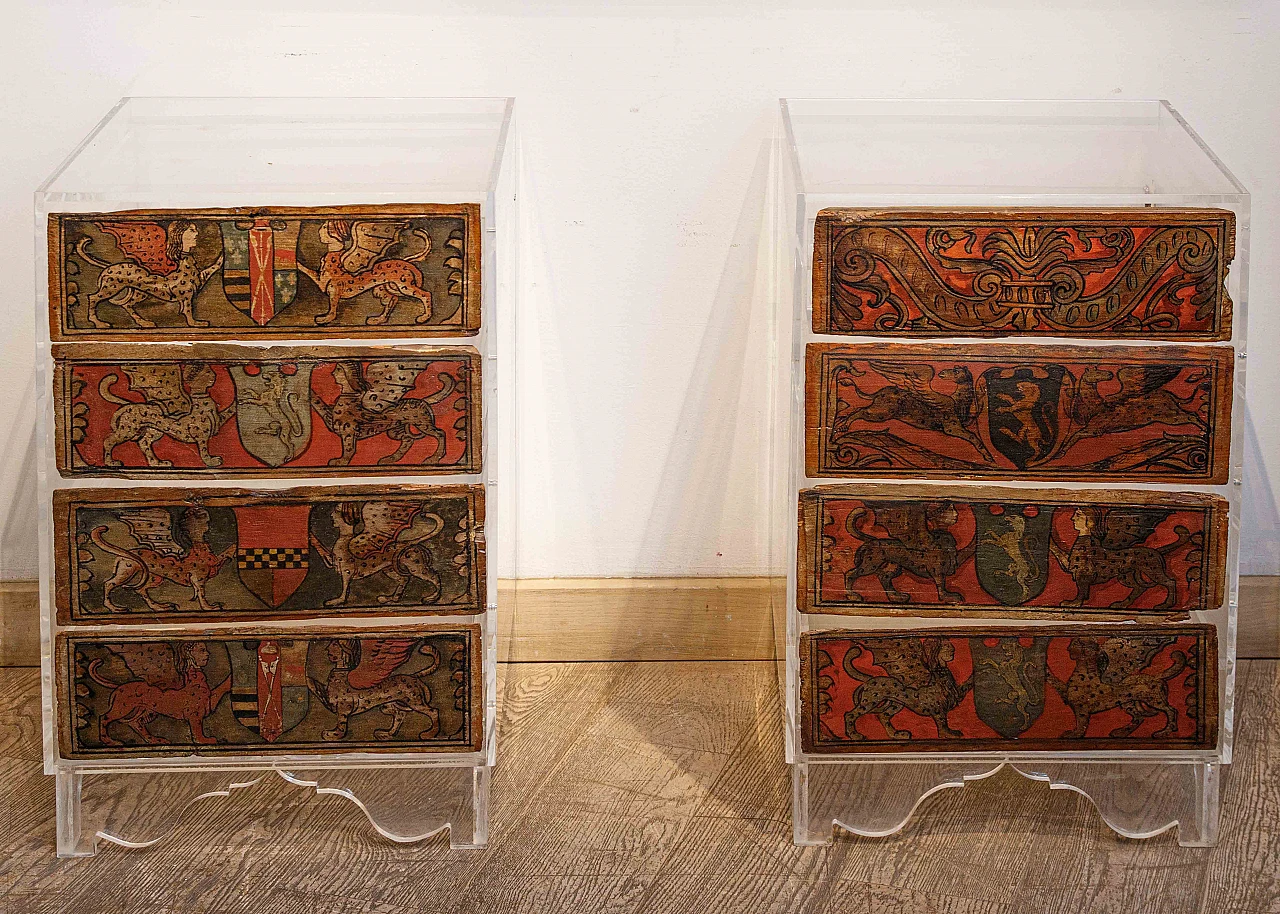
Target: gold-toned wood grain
<point>1259,632</point>
<point>577,619</point>
<point>699,618</point>
<point>656,788</point>
<point>19,623</point>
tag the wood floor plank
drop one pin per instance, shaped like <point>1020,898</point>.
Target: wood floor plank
<point>654,788</point>
<point>1243,875</point>
<point>19,728</point>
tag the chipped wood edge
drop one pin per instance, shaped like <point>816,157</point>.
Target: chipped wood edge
<point>835,216</point>
<point>821,321</point>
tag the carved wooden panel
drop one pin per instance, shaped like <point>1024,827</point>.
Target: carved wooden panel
<point>1067,688</point>
<point>1045,412</point>
<point>250,273</point>
<point>159,555</point>
<point>221,411</point>
<point>1020,553</point>
<point>1140,273</point>
<point>262,691</point>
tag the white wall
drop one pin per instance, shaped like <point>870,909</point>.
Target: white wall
<point>642,129</point>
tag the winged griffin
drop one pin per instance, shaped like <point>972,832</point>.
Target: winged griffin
<point>1142,400</point>
<point>161,264</point>
<point>363,678</point>
<point>354,265</point>
<point>381,537</point>
<point>919,543</point>
<point>910,398</point>
<point>169,682</point>
<point>1110,547</point>
<point>917,677</point>
<point>158,557</point>
<point>372,401</point>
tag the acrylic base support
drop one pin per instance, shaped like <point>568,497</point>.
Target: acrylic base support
<point>1135,799</point>
<point>138,808</point>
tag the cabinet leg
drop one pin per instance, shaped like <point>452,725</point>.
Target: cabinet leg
<point>75,837</point>
<point>471,826</point>
<point>805,831</point>
<point>1202,830</point>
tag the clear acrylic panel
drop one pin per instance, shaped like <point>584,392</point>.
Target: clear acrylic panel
<point>223,152</point>
<point>952,153</point>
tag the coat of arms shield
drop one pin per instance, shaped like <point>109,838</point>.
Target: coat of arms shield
<point>269,692</point>
<point>260,265</point>
<point>273,552</point>
<point>1012,551</point>
<point>273,409</point>
<point>1022,411</point>
<point>1009,676</point>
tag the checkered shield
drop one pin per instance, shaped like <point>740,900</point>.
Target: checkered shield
<point>272,550</point>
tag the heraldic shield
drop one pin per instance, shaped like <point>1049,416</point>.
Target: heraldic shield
<point>273,409</point>
<point>1009,681</point>
<point>260,265</point>
<point>272,549</point>
<point>269,693</point>
<point>1022,411</point>
<point>1012,551</point>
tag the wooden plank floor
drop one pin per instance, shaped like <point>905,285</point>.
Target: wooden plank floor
<point>649,787</point>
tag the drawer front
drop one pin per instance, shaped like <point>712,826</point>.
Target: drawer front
<point>1140,273</point>
<point>1061,688</point>
<point>265,691</point>
<point>224,411</point>
<point>255,273</point>
<point>1019,553</point>
<point>1046,412</point>
<point>215,555</point>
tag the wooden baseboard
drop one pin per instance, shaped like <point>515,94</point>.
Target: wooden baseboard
<point>704,618</point>
<point>701,618</point>
<point>1259,636</point>
<point>19,623</point>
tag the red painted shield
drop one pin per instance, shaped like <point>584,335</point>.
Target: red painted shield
<point>272,549</point>
<point>270,691</point>
<point>262,272</point>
